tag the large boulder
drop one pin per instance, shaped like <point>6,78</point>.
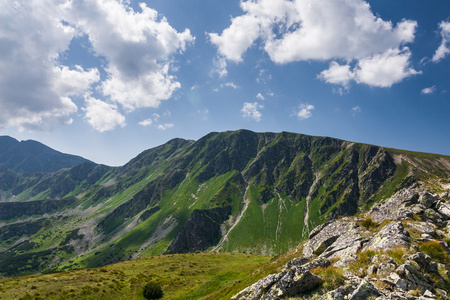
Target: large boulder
<point>364,291</point>
<point>337,239</point>
<point>390,236</point>
<point>397,207</point>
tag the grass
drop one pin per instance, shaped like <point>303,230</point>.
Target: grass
<point>183,276</point>
<point>436,251</point>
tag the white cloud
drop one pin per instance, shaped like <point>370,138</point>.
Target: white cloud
<point>356,109</point>
<point>33,90</point>
<point>220,65</point>
<point>74,82</point>
<point>385,69</point>
<point>36,89</point>
<point>301,30</point>
<point>428,90</point>
<point>380,70</point>
<point>229,84</point>
<point>251,110</point>
<point>146,123</point>
<point>337,74</point>
<point>102,116</point>
<point>137,46</point>
<point>260,97</point>
<point>304,111</point>
<point>165,126</point>
<point>444,48</point>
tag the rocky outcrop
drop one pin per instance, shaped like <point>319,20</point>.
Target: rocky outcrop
<point>379,253</point>
<point>292,281</point>
<point>391,236</point>
<point>339,239</point>
<point>201,230</point>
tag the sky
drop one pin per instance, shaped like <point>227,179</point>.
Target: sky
<point>108,79</point>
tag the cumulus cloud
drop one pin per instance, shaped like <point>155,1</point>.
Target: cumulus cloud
<point>380,70</point>
<point>34,92</point>
<point>251,110</point>
<point>444,48</point>
<point>304,111</point>
<point>137,46</point>
<point>302,30</point>
<point>165,126</point>
<point>102,116</point>
<point>338,74</point>
<point>146,123</point>
<point>428,90</point>
<point>37,89</point>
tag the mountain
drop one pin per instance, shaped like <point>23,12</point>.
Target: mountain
<point>399,249</point>
<point>31,157</point>
<point>237,191</point>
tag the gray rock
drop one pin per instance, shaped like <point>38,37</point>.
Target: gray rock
<point>428,295</point>
<point>338,294</point>
<point>444,209</point>
<point>442,293</point>
<point>339,239</point>
<point>415,279</point>
<point>390,236</point>
<point>424,261</point>
<point>433,217</point>
<point>295,282</point>
<point>256,290</point>
<point>364,291</point>
<point>385,269</point>
<point>427,228</point>
<point>318,262</point>
<point>398,207</point>
<point>372,270</point>
<point>317,229</point>
<point>298,261</point>
<point>427,199</point>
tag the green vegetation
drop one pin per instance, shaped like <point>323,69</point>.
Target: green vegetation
<point>266,182</point>
<point>152,291</point>
<point>183,276</point>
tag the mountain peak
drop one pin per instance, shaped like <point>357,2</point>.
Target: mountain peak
<point>31,156</point>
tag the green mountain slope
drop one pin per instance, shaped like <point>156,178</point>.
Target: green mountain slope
<point>31,157</point>
<point>234,191</point>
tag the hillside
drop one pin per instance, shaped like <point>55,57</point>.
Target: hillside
<point>399,249</point>
<point>240,191</point>
<point>31,157</point>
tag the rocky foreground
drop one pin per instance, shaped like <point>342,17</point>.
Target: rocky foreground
<point>397,250</point>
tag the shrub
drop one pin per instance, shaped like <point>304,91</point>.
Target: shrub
<point>368,223</point>
<point>152,291</point>
<point>435,250</point>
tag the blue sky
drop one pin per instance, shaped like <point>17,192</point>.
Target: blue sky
<point>107,79</point>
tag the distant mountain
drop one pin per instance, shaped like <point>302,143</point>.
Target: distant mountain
<point>31,157</point>
<point>236,191</point>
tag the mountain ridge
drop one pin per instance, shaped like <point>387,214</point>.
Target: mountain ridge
<point>256,192</point>
<point>31,156</point>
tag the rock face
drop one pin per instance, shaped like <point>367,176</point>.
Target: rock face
<point>291,281</point>
<point>379,259</point>
<point>201,230</point>
<point>339,239</point>
<point>391,236</point>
